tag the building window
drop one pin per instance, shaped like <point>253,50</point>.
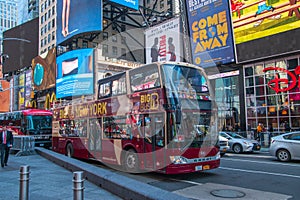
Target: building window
<point>114,38</point>
<point>84,44</point>
<point>115,51</point>
<point>123,53</point>
<point>123,40</point>
<point>104,49</point>
<point>123,27</point>
<point>270,103</point>
<point>105,35</point>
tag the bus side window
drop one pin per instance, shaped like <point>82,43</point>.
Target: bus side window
<point>104,90</point>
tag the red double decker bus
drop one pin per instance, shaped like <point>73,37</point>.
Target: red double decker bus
<point>32,122</point>
<point>159,117</point>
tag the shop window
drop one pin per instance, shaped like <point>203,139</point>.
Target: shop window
<point>259,80</point>
<point>248,71</point>
<point>258,69</point>
<point>249,82</point>
<point>272,100</point>
<point>272,110</point>
<point>249,91</point>
<point>292,64</point>
<point>260,90</point>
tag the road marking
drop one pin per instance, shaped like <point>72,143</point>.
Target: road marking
<point>260,172</point>
<point>185,181</point>
<point>262,162</point>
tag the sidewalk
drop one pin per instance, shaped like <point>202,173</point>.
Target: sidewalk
<point>47,181</point>
<point>51,177</point>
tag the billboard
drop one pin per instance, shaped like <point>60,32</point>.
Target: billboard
<point>254,19</point>
<point>76,17</point>
<point>133,4</point>
<point>210,30</point>
<point>4,96</point>
<point>163,42</point>
<point>75,73</point>
<point>43,70</point>
<point>21,45</point>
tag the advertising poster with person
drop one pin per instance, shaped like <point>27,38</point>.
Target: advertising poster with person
<point>210,30</point>
<point>76,17</point>
<point>163,42</point>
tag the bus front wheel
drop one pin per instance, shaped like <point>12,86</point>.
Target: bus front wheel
<point>131,161</point>
<point>69,150</point>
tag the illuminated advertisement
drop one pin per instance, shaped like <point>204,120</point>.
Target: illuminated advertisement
<point>133,4</point>
<point>28,86</point>
<point>254,19</point>
<point>76,17</point>
<point>21,89</point>
<point>210,32</point>
<point>163,42</point>
<point>4,96</point>
<point>43,69</point>
<point>75,73</point>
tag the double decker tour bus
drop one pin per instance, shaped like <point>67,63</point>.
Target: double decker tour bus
<point>159,117</point>
<point>32,122</point>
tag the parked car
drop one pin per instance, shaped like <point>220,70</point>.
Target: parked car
<point>286,147</point>
<point>239,144</point>
<point>223,143</point>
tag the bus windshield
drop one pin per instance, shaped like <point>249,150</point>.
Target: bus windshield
<point>188,96</point>
<point>35,122</point>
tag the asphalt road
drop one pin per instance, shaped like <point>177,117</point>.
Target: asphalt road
<point>244,176</point>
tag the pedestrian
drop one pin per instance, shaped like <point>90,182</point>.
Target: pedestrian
<point>259,130</point>
<point>287,127</point>
<point>6,142</point>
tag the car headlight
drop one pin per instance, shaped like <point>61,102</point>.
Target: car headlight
<point>247,143</point>
<point>178,160</point>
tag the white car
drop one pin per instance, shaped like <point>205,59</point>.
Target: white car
<point>286,147</point>
<point>223,143</point>
<point>239,144</point>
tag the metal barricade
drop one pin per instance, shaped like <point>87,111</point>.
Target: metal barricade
<point>23,144</point>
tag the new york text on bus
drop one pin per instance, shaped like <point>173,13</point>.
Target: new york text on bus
<point>158,117</point>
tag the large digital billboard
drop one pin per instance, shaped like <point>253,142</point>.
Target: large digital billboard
<point>163,42</point>
<point>43,70</point>
<point>75,73</point>
<point>76,17</point>
<point>253,19</point>
<point>210,32</point>
<point>133,4</point>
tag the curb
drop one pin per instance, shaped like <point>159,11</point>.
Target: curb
<point>122,186</point>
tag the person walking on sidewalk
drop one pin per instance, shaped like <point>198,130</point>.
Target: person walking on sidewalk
<point>6,142</point>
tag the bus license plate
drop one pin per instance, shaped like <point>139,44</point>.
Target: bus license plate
<point>41,145</point>
<point>198,168</point>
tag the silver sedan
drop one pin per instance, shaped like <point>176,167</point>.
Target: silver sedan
<point>239,144</point>
<point>286,147</point>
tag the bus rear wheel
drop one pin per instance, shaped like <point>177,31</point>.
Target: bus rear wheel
<point>69,150</point>
<point>131,161</point>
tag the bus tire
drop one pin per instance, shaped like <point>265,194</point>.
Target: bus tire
<point>69,150</point>
<point>131,161</point>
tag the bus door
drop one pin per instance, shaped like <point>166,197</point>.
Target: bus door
<point>95,135</point>
<point>153,132</point>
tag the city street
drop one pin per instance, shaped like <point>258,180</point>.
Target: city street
<point>257,175</point>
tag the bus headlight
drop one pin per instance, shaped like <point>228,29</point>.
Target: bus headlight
<point>178,160</point>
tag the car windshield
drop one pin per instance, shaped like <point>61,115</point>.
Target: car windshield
<point>235,135</point>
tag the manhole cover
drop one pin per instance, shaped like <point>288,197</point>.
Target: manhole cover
<point>228,193</point>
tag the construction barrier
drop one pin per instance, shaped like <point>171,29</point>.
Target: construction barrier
<point>24,145</point>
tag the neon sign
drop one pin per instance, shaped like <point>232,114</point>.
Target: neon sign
<point>275,84</point>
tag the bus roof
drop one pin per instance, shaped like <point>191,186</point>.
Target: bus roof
<point>36,112</point>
